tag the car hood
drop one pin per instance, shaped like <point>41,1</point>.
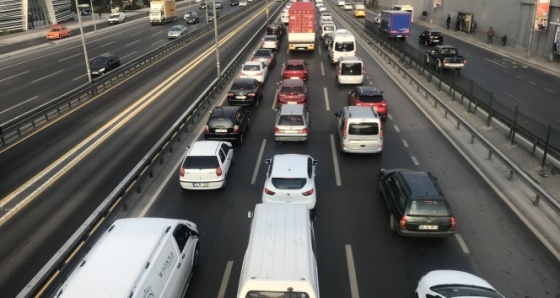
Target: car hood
<point>443,277</point>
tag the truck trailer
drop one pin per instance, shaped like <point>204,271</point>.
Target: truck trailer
<point>162,12</point>
<point>395,23</point>
<point>301,31</point>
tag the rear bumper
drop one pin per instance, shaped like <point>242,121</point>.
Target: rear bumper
<point>290,137</point>
<point>185,184</point>
<point>404,232</point>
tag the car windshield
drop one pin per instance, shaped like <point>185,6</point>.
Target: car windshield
<point>371,98</point>
<point>292,90</point>
<point>220,122</point>
<point>291,120</point>
<point>253,67</point>
<point>366,128</point>
<point>464,291</point>
<point>329,28</point>
<point>175,29</point>
<point>289,183</point>
<point>351,69</point>
<point>344,46</point>
<point>295,67</point>
<point>428,207</point>
<point>99,61</point>
<point>242,86</point>
<point>201,162</point>
<point>270,38</point>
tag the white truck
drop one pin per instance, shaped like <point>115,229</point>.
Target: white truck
<point>162,12</point>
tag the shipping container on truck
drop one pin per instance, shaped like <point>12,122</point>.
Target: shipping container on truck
<point>162,12</point>
<point>301,31</point>
<point>395,23</point>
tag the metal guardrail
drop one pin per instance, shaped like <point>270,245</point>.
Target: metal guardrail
<point>397,59</point>
<point>53,274</point>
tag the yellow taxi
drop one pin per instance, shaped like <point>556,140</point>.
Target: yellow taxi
<point>360,12</point>
<point>58,32</point>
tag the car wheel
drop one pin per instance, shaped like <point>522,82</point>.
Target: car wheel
<point>59,36</point>
<point>257,102</point>
<point>69,34</point>
<point>392,223</point>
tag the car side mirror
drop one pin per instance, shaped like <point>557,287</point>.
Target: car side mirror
<point>315,162</point>
<point>337,115</point>
<point>267,161</point>
<point>250,214</point>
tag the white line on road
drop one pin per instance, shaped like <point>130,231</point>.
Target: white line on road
<point>319,50</point>
<point>154,43</point>
<point>322,69</point>
<point>129,54</point>
<point>259,159</point>
<point>274,103</point>
<point>532,83</point>
<point>414,160</point>
<point>128,44</point>
<point>335,162</point>
<point>327,106</point>
<point>225,280</point>
<point>479,79</point>
<point>462,243</point>
<point>80,77</point>
<point>491,61</point>
<point>396,128</point>
<point>141,32</point>
<point>405,143</point>
<point>52,74</point>
<point>19,74</point>
<point>519,100</point>
<point>390,117</point>
<point>68,57</point>
<point>519,77</point>
<point>19,104</point>
<point>351,272</point>
<point>549,90</point>
<point>106,44</point>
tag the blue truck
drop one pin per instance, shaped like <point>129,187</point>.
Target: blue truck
<point>395,23</point>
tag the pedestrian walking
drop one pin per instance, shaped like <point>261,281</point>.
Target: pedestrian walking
<point>448,21</point>
<point>490,35</point>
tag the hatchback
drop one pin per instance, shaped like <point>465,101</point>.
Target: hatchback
<point>206,165</point>
<point>417,206</point>
<point>254,69</point>
<point>295,69</point>
<point>368,96</point>
<point>227,124</point>
<point>102,64</point>
<point>191,17</point>
<point>270,42</point>
<point>290,178</point>
<point>453,283</point>
<point>58,32</point>
<point>177,31</point>
<point>292,123</point>
<point>267,56</point>
<point>245,92</point>
<point>292,91</point>
<point>430,37</point>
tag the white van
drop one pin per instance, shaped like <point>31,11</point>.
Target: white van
<point>285,16</point>
<point>327,28</point>
<point>350,70</point>
<point>137,257</point>
<point>408,8</point>
<point>242,3</point>
<point>280,258</point>
<point>344,44</point>
<point>359,130</point>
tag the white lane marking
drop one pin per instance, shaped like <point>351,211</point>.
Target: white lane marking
<point>154,43</point>
<point>52,74</point>
<point>19,74</point>
<point>141,32</point>
<point>462,243</point>
<point>319,50</point>
<point>106,44</point>
<point>322,69</point>
<point>128,44</point>
<point>405,143</point>
<point>72,56</point>
<point>414,160</point>
<point>479,79</point>
<point>532,83</point>
<point>396,128</point>
<point>519,77</point>
<point>274,103</point>
<point>335,162</point>
<point>19,104</point>
<point>80,77</point>
<point>328,107</point>
<point>225,280</point>
<point>390,117</point>
<point>129,54</point>
<point>157,33</point>
<point>491,61</point>
<point>351,272</point>
<point>519,100</point>
<point>259,159</point>
<point>549,90</point>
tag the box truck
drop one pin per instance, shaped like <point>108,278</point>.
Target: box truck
<point>395,23</point>
<point>301,32</point>
<point>162,12</point>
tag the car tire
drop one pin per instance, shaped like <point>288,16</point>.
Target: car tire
<point>59,36</point>
<point>392,224</point>
<point>257,102</point>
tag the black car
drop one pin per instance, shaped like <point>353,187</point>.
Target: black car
<point>417,206</point>
<point>202,5</point>
<point>227,124</point>
<point>265,56</point>
<point>211,15</point>
<point>234,3</point>
<point>101,65</point>
<point>278,29</point>
<point>219,4</point>
<point>430,37</point>
<point>191,17</point>
<point>327,40</point>
<point>245,92</point>
<point>85,12</point>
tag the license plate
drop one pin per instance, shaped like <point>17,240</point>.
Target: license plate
<point>240,97</point>
<point>200,184</point>
<point>428,227</point>
<point>221,130</point>
<point>292,102</point>
<point>290,131</point>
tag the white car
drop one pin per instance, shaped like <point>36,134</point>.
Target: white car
<point>290,178</point>
<point>452,283</point>
<point>270,42</point>
<point>116,18</point>
<point>325,20</point>
<point>348,6</point>
<point>255,70</point>
<point>341,2</point>
<point>323,9</point>
<point>206,165</point>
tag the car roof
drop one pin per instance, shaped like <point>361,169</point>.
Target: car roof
<point>295,62</point>
<point>204,148</point>
<point>254,63</point>
<point>292,82</point>
<point>226,111</point>
<point>244,81</point>
<point>368,90</point>
<point>289,165</point>
<point>292,109</point>
<point>420,184</point>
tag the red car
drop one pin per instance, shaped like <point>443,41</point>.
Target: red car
<point>368,96</point>
<point>292,91</point>
<point>295,68</point>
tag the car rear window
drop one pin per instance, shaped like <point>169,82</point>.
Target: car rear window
<point>329,28</point>
<point>365,128</point>
<point>251,67</point>
<point>291,120</point>
<point>344,46</point>
<point>428,207</point>
<point>291,90</point>
<point>270,38</point>
<point>289,183</point>
<point>220,122</point>
<point>295,67</point>
<point>371,98</point>
<point>351,69</point>
<point>262,54</point>
<point>242,85</point>
<point>201,162</point>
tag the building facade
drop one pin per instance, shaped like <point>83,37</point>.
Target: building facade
<point>21,15</point>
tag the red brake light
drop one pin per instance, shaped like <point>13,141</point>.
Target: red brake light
<point>206,129</point>
<point>465,61</point>
<point>304,131</point>
<point>402,222</point>
<point>308,193</point>
<point>344,131</point>
<point>181,171</point>
<point>236,129</point>
<point>269,192</point>
<point>219,171</point>
<point>276,130</point>
<point>251,94</point>
<point>230,94</point>
<point>453,222</point>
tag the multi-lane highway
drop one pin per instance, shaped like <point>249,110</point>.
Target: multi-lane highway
<point>107,137</point>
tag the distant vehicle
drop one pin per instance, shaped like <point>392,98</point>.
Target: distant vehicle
<point>430,37</point>
<point>350,70</point>
<point>344,44</point>
<point>211,15</point>
<point>327,28</point>
<point>229,123</point>
<point>327,40</point>
<point>292,123</point>
<point>292,91</point>
<point>116,18</point>
<point>242,3</point>
<point>58,32</point>
<point>348,6</point>
<point>368,96</point>
<point>233,3</point>
<point>301,34</point>
<point>270,42</point>
<point>177,31</point>
<point>395,23</point>
<point>103,64</point>
<point>265,55</point>
<point>285,16</point>
<point>278,29</point>
<point>360,12</point>
<point>453,283</point>
<point>162,12</point>
<point>295,68</point>
<point>416,204</point>
<point>202,5</point>
<point>219,4</point>
<point>442,57</point>
<point>255,70</point>
<point>245,92</point>
<point>191,17</point>
<point>85,12</point>
<point>323,8</point>
<point>377,18</point>
<point>359,130</point>
<point>206,165</point>
<point>341,3</point>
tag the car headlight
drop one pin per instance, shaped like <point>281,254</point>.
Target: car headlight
<point>101,70</point>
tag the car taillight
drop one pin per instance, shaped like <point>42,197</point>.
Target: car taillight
<point>251,94</point>
<point>219,171</point>
<point>207,129</point>
<point>344,130</point>
<point>181,171</point>
<point>383,104</point>
<point>308,193</point>
<point>465,61</point>
<point>453,222</point>
<point>269,192</point>
<point>402,222</point>
<point>230,94</point>
<point>276,130</point>
<point>236,129</point>
<point>260,74</point>
<point>304,130</point>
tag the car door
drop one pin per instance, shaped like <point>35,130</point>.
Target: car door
<point>186,244</point>
<point>226,157</point>
<point>241,118</point>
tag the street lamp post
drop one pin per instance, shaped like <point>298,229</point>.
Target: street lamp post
<point>93,15</point>
<point>216,37</point>
<point>84,44</point>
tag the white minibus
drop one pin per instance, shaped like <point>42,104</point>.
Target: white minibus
<point>343,44</point>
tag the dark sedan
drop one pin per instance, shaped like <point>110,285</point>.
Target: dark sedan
<point>430,37</point>
<point>102,64</point>
<point>202,5</point>
<point>234,3</point>
<point>227,124</point>
<point>417,206</point>
<point>245,92</point>
<point>191,17</point>
<point>266,56</point>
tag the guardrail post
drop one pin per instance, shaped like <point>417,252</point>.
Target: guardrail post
<point>537,200</point>
<point>489,155</point>
<point>545,153</point>
<point>491,111</point>
<point>510,176</point>
<point>513,125</point>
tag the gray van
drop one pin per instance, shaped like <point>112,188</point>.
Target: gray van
<point>350,70</point>
<point>359,130</point>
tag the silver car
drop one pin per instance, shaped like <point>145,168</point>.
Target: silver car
<point>292,123</point>
<point>177,31</point>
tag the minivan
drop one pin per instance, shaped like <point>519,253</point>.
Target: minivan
<point>327,28</point>
<point>350,70</point>
<point>359,130</point>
